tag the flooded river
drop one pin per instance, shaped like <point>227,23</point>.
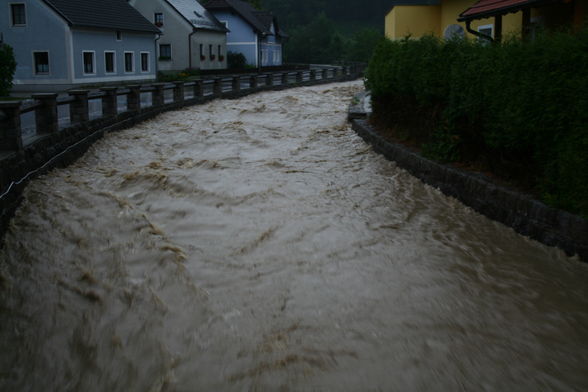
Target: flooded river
<point>258,244</point>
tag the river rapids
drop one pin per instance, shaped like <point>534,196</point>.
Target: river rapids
<point>258,244</point>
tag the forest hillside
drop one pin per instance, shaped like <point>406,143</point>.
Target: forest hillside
<point>328,31</point>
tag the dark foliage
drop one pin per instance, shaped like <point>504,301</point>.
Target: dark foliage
<point>236,60</point>
<point>518,108</point>
<point>7,68</point>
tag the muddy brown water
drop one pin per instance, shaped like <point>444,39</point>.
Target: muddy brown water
<point>259,244</point>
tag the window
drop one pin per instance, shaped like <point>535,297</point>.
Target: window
<point>158,19</point>
<point>41,63</point>
<point>119,36</point>
<point>225,23</point>
<point>263,56</point>
<point>18,14</point>
<point>109,62</point>
<point>144,61</point>
<point>210,52</point>
<point>165,52</point>
<point>89,62</point>
<point>202,58</point>
<point>486,30</point>
<point>129,60</point>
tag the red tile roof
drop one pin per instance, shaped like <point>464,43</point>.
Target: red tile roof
<point>487,8</point>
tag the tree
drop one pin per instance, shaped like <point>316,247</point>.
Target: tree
<point>363,44</point>
<point>255,3</point>
<point>318,42</point>
<point>7,68</point>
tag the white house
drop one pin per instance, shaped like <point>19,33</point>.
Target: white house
<point>192,38</point>
<point>59,44</point>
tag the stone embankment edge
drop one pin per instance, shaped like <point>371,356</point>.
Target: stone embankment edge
<point>524,214</point>
<point>65,147</point>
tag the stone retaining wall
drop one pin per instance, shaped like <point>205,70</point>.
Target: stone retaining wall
<point>525,215</point>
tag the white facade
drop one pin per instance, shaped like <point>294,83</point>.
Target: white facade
<point>178,48</point>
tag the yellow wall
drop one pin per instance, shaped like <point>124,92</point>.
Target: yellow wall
<point>415,21</point>
<point>421,20</point>
<point>511,23</point>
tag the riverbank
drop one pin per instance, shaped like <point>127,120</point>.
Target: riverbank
<point>511,207</point>
<point>63,129</point>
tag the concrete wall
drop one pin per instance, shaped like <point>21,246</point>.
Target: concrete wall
<point>44,31</point>
<point>100,41</point>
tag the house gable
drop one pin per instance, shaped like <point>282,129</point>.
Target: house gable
<point>45,33</point>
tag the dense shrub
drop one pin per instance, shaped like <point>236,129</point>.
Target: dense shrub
<point>7,68</point>
<point>520,108</point>
<point>236,60</point>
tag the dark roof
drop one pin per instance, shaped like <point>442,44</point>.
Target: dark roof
<point>103,14</point>
<point>195,14</point>
<point>267,18</point>
<point>487,8</point>
<point>244,9</point>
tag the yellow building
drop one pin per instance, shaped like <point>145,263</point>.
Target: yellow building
<point>493,18</point>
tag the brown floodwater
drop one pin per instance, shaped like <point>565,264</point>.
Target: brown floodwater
<point>259,244</point>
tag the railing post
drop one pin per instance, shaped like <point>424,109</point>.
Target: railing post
<point>109,104</point>
<point>78,109</point>
<point>299,77</point>
<point>313,74</point>
<point>134,98</point>
<point>46,114</point>
<point>10,130</point>
<point>284,78</point>
<point>236,84</point>
<point>198,89</point>
<point>158,94</point>
<point>217,87</point>
<point>325,74</point>
<point>178,91</point>
<point>253,81</point>
<point>269,79</point>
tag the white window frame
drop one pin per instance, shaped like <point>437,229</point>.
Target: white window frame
<point>118,35</point>
<point>125,62</point>
<point>35,64</point>
<point>113,62</point>
<point>93,62</point>
<point>486,26</point>
<point>148,62</point>
<point>10,19</point>
<point>225,23</point>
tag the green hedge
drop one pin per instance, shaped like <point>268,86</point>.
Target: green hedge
<point>7,68</point>
<point>519,109</point>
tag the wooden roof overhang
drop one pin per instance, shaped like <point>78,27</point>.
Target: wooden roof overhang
<point>484,9</point>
